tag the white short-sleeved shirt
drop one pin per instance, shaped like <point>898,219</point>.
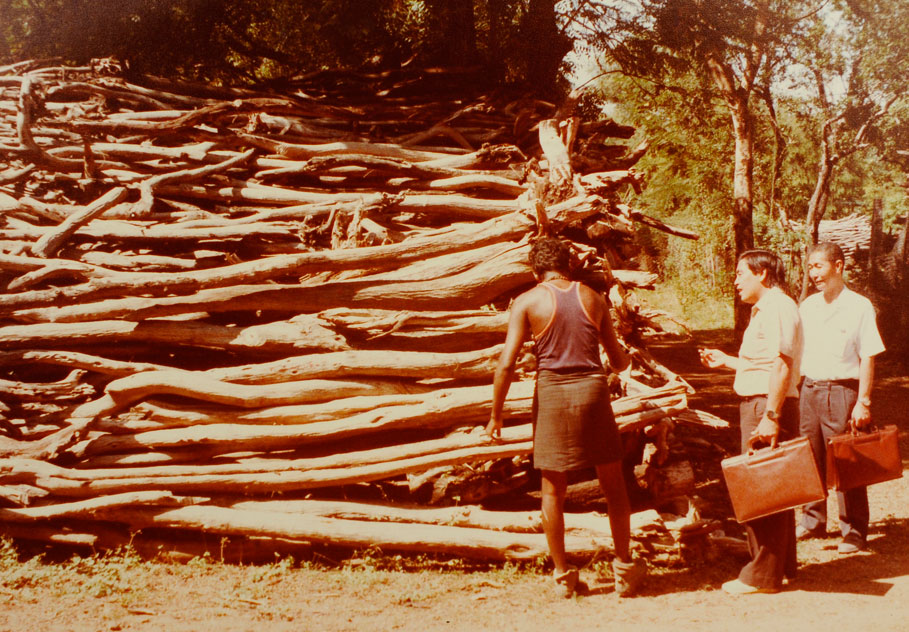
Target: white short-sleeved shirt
<point>775,329</point>
<point>838,335</point>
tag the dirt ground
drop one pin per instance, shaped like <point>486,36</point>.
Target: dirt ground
<point>865,591</point>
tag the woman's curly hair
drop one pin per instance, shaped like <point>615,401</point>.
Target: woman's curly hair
<point>552,254</point>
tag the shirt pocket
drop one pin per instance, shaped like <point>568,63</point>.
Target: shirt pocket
<point>840,340</point>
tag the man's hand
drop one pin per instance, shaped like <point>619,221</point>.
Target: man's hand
<point>713,358</point>
<point>861,416</point>
<point>494,428</point>
<point>767,431</point>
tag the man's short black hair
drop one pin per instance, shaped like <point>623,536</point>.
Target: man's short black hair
<point>831,251</point>
<point>758,260</point>
<point>550,254</point>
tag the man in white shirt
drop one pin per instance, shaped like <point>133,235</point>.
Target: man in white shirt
<point>766,378</point>
<point>841,341</point>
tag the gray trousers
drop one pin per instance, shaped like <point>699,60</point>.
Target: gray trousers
<point>824,411</point>
<point>771,539</point>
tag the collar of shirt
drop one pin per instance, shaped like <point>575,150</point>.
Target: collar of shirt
<point>767,298</point>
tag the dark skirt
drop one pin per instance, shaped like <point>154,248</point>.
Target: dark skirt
<point>574,426</point>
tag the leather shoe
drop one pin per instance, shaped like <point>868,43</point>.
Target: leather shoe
<point>738,587</point>
<point>851,544</point>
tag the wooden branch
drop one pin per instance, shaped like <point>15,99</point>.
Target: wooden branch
<point>11,176</point>
<point>66,481</point>
<point>24,133</point>
<point>65,390</point>
<point>148,187</point>
<point>666,228</point>
<point>560,173</point>
<point>51,241</point>
<point>76,360</point>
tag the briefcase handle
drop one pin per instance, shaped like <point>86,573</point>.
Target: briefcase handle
<point>862,435</point>
<point>771,452</point>
<point>851,429</point>
<point>871,427</point>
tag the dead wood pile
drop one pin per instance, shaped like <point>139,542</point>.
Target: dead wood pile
<point>222,305</point>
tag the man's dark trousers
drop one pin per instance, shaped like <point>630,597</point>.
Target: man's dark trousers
<point>824,411</point>
<point>771,539</point>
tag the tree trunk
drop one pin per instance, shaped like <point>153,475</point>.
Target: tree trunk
<point>817,208</point>
<point>743,185</point>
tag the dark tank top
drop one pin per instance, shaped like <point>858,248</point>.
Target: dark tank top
<point>570,341</point>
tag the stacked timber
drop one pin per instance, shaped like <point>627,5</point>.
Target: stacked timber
<point>224,308</point>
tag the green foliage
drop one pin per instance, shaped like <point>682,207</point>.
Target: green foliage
<point>667,92</point>
<point>99,575</point>
<point>519,41</point>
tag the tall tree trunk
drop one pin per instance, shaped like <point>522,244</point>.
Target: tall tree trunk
<point>743,191</point>
<point>736,91</point>
<point>817,207</point>
<point>544,46</point>
<point>453,21</point>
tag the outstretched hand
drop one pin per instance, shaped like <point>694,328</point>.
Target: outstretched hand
<point>712,358</point>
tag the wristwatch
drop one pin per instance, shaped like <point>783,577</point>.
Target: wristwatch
<point>866,401</point>
<point>772,415</point>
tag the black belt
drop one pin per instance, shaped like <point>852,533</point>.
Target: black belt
<point>748,398</point>
<point>809,383</point>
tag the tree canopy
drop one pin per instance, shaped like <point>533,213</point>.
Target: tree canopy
<point>516,41</point>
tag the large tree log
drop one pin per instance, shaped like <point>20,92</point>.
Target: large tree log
<point>437,242</point>
<point>439,409</point>
<point>102,230</point>
<point>283,481</point>
<point>464,516</point>
<point>301,334</point>
<point>465,542</point>
<point>51,534</point>
<point>367,465</point>
<point>127,390</point>
<point>467,365</point>
<point>156,415</point>
<point>382,322</point>
<point>160,476</point>
<point>88,508</point>
<point>443,204</point>
<point>471,289</point>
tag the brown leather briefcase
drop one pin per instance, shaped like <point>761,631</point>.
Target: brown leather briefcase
<point>771,480</point>
<point>866,458</point>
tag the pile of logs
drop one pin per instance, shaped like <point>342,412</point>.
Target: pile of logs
<point>225,309</point>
